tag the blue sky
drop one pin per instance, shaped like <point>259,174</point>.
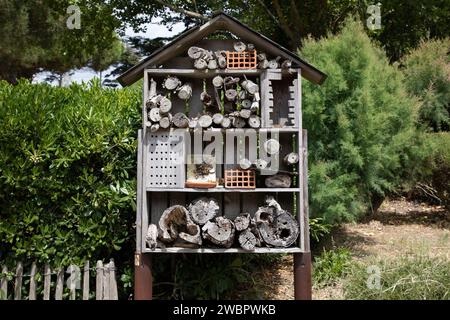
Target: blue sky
<point>153,30</point>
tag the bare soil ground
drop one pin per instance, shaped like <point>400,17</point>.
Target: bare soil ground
<point>399,227</point>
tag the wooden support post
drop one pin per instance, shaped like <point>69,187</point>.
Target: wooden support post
<point>302,276</point>
<point>143,280</point>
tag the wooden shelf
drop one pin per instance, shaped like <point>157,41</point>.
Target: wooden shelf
<point>221,189</point>
<point>280,130</point>
<point>195,73</point>
<point>223,250</point>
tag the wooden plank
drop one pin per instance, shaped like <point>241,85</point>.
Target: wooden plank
<point>177,198</point>
<point>224,190</point>
<point>223,250</point>
<point>72,281</point>
<point>106,282</point>
<point>158,205</point>
<point>47,281</point>
<point>248,205</point>
<point>4,284</point>
<point>196,73</point>
<point>59,284</point>
<point>139,193</point>
<point>18,282</point>
<point>232,207</point>
<point>32,292</point>
<point>86,281</point>
<point>99,281</point>
<point>306,241</point>
<point>113,295</point>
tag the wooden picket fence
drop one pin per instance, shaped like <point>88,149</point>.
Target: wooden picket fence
<point>105,282</point>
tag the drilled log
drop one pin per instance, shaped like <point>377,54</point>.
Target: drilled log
<point>165,105</point>
<point>203,209</point>
<point>261,56</point>
<point>154,115</point>
<point>217,118</point>
<point>165,122</point>
<point>278,181</point>
<point>171,83</point>
<point>272,146</point>
<point>154,127</point>
<point>242,95</point>
<point>185,91</point>
<point>153,101</point>
<point>193,123</point>
<point>245,113</point>
<point>246,103</point>
<point>152,90</point>
<point>242,222</point>
<point>263,64</point>
<point>245,164</point>
<point>291,158</point>
<point>260,164</point>
<point>239,46</point>
<point>205,121</point>
<point>250,86</point>
<point>286,64</point>
<point>238,122</point>
<point>222,62</point>
<point>175,223</point>
<point>274,64</point>
<point>217,81</point>
<point>247,240</point>
<point>180,120</point>
<point>281,232</point>
<point>226,123</point>
<point>212,64</point>
<point>250,46</point>
<point>254,122</point>
<point>220,231</point>
<point>230,81</point>
<point>196,52</point>
<point>231,94</point>
<point>255,106</point>
<point>200,64</point>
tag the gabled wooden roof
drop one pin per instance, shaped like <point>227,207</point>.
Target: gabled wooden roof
<point>220,21</point>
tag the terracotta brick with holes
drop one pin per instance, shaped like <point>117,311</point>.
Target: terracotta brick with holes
<point>240,179</point>
<point>241,60</point>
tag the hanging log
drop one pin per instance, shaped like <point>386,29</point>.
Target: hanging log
<point>238,122</point>
<point>185,91</point>
<point>175,223</point>
<point>254,122</point>
<point>217,118</point>
<point>278,181</point>
<point>203,209</point>
<point>165,105</point>
<point>200,64</point>
<point>220,231</point>
<point>171,83</point>
<point>180,120</point>
<point>165,122</point>
<point>272,146</point>
<point>291,158</point>
<point>245,113</point>
<point>205,121</point>
<point>152,236</point>
<point>212,64</point>
<point>242,222</point>
<point>286,64</point>
<point>246,103</point>
<point>154,127</point>
<point>260,164</point>
<point>247,240</point>
<point>217,81</point>
<point>231,94</point>
<point>245,164</point>
<point>250,86</point>
<point>226,123</point>
<point>239,46</point>
<point>196,52</point>
<point>205,98</point>
<point>154,115</point>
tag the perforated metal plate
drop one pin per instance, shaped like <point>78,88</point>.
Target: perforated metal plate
<point>165,160</point>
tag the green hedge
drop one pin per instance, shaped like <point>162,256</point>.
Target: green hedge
<point>362,126</point>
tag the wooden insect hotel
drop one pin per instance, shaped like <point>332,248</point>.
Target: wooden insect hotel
<point>222,154</point>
